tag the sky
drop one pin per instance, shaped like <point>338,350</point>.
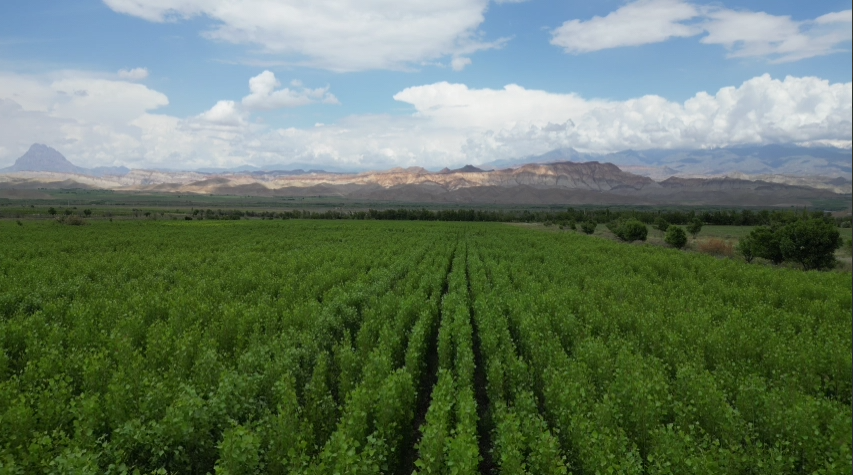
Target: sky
<point>375,84</point>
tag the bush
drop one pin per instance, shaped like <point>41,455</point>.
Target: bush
<point>661,224</point>
<point>588,227</point>
<point>694,227</point>
<point>675,237</point>
<point>238,452</point>
<point>631,230</point>
<point>765,244</point>
<point>811,243</point>
<point>746,248</point>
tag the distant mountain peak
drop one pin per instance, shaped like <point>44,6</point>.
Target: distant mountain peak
<point>41,158</point>
<point>465,169</point>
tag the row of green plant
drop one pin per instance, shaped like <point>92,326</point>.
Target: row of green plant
<point>314,347</point>
<point>154,346</point>
<point>653,361</point>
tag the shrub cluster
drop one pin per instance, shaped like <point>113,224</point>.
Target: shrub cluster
<point>810,243</point>
<point>630,230</point>
<point>588,227</point>
<point>675,237</point>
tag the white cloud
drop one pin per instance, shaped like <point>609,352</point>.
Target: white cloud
<point>97,121</point>
<point>458,63</point>
<point>638,23</point>
<point>516,121</point>
<point>223,113</point>
<point>135,74</point>
<point>842,17</point>
<point>743,33</point>
<point>339,35</point>
<point>84,113</point>
<point>779,38</point>
<point>762,110</point>
<point>457,106</point>
<point>264,94</point>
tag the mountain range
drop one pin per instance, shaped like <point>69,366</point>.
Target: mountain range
<point>764,160</point>
<point>559,177</point>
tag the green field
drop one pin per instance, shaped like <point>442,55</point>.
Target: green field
<point>364,347</point>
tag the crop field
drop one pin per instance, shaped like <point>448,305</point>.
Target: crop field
<point>366,347</point>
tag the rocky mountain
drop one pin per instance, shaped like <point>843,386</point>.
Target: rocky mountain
<point>764,160</point>
<point>41,158</point>
<point>559,182</point>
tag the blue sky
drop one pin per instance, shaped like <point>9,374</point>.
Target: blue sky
<point>378,83</point>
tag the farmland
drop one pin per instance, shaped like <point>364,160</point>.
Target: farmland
<point>363,347</point>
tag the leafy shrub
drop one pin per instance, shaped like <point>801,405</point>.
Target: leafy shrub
<point>675,237</point>
<point>631,230</point>
<point>588,227</point>
<point>746,248</point>
<point>695,227</point>
<point>765,244</point>
<point>661,224</point>
<point>716,247</point>
<point>238,452</point>
<point>811,243</point>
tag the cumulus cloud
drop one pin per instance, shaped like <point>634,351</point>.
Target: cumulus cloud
<point>743,33</point>
<point>98,121</point>
<point>638,23</point>
<point>339,35</point>
<point>762,110</point>
<point>223,113</point>
<point>264,94</point>
<point>135,74</point>
<point>87,114</point>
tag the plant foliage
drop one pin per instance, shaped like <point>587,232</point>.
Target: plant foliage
<point>315,347</point>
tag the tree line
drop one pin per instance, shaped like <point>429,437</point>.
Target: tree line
<point>733,217</point>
